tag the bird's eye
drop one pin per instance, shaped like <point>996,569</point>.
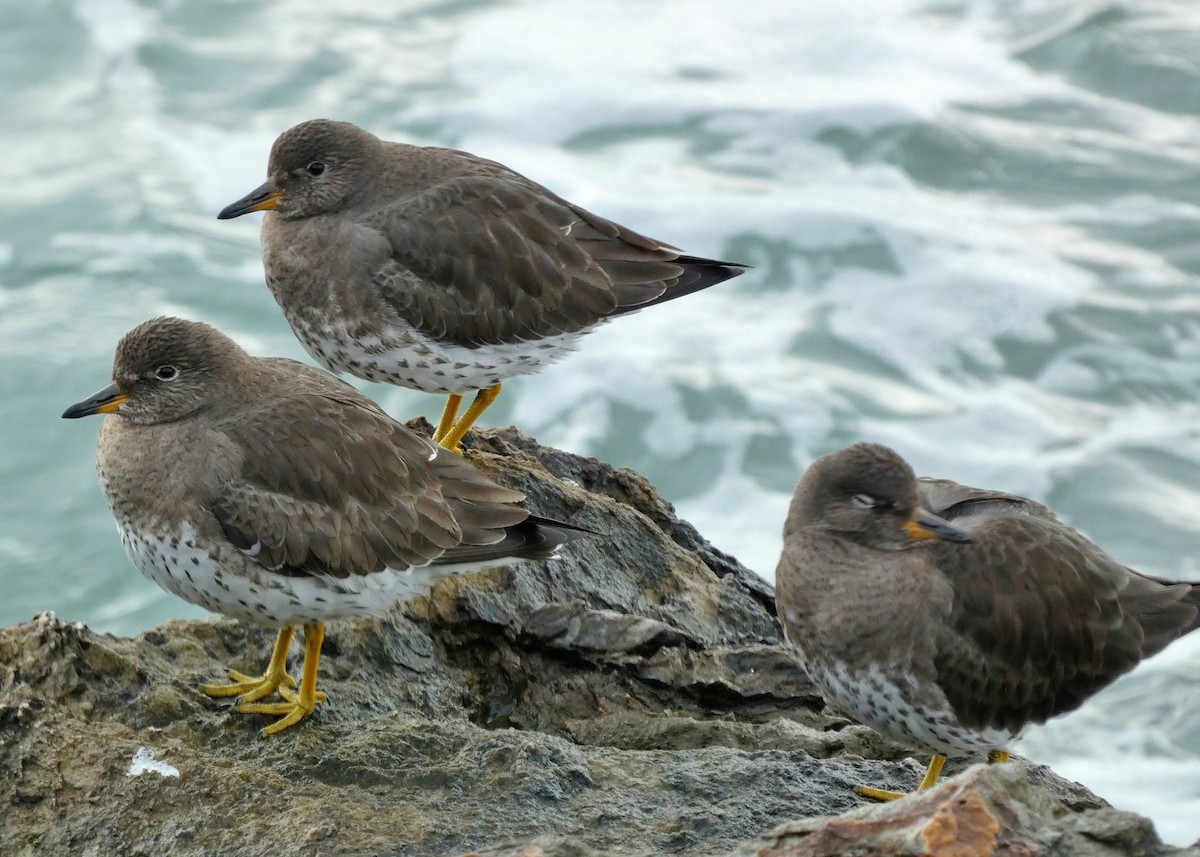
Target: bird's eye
<point>166,373</point>
<point>864,501</point>
<point>315,168</point>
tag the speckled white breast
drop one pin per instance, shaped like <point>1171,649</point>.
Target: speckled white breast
<point>225,581</point>
<point>409,359</point>
<point>917,717</point>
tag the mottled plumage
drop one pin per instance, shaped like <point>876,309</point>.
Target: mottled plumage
<point>442,271</point>
<point>949,617</point>
<point>272,492</point>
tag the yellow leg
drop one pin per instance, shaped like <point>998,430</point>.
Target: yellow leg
<point>483,400</point>
<point>254,688</point>
<point>448,414</point>
<point>302,703</point>
<point>997,756</point>
<point>932,773</point>
<point>931,777</point>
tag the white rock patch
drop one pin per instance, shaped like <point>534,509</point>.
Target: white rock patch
<point>143,762</point>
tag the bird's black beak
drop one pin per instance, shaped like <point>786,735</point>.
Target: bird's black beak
<point>925,525</point>
<point>106,401</point>
<point>262,198</point>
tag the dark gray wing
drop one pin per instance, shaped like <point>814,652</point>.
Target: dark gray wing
<point>328,486</point>
<point>493,258</point>
<point>1042,618</point>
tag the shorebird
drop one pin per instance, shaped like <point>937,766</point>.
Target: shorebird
<point>441,271</point>
<point>948,617</point>
<point>274,493</point>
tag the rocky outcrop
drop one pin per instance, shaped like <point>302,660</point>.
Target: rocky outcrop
<point>631,698</point>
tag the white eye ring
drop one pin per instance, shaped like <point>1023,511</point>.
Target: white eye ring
<point>166,373</point>
<point>863,501</point>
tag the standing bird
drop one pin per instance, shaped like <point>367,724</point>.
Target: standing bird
<point>272,492</point>
<point>442,271</point>
<point>947,617</point>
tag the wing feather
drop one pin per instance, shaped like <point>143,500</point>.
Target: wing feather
<point>1042,618</point>
<point>329,485</point>
<point>492,257</point>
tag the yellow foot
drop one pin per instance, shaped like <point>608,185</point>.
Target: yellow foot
<point>931,777</point>
<point>997,757</point>
<point>299,703</point>
<point>252,688</point>
<point>878,794</point>
<point>289,713</point>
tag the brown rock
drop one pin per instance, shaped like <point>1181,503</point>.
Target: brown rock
<point>961,828</point>
<point>632,698</point>
<point>1005,810</point>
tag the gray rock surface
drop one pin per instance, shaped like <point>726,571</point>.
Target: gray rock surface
<point>632,698</point>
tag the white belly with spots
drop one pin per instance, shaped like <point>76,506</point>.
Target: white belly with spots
<point>409,359</point>
<point>225,581</point>
<point>902,712</point>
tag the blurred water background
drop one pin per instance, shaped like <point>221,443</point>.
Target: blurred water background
<point>973,225</point>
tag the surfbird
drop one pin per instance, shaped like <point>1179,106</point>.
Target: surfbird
<point>948,617</point>
<point>274,493</point>
<point>442,271</point>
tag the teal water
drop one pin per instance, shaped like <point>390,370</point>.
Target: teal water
<point>973,226</point>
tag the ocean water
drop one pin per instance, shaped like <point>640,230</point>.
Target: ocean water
<point>973,224</point>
